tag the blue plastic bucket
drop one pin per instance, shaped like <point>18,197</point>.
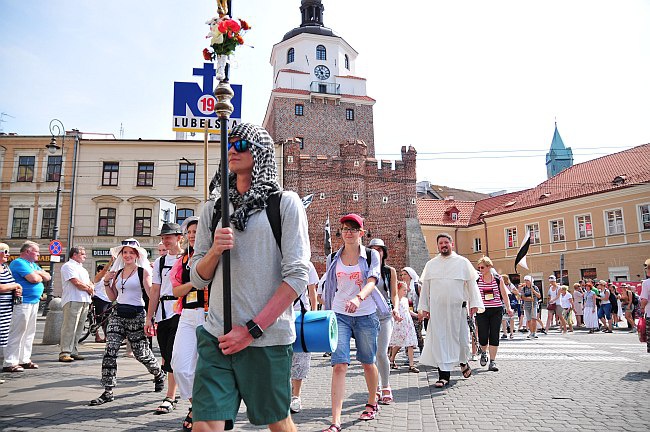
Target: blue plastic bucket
<point>321,331</point>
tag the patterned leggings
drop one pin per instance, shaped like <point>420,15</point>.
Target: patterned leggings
<point>132,329</point>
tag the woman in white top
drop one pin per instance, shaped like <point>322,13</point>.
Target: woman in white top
<point>553,307</point>
<point>124,283</point>
<point>566,301</point>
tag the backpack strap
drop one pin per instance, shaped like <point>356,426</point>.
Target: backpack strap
<point>141,277</point>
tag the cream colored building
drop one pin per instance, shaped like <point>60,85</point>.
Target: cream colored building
<point>596,214</point>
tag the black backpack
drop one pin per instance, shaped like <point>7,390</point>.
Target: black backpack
<point>635,298</point>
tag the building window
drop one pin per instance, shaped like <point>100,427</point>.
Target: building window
<point>291,53</point>
<point>584,226</point>
<point>347,62</point>
<point>142,223</point>
<point>26,168</point>
<point>511,237</point>
<point>384,200</point>
<point>557,230</point>
<point>614,222</point>
<point>321,53</point>
<point>477,245</point>
<point>145,174</point>
<point>533,229</point>
<point>186,173</point>
<point>355,197</point>
<point>183,214</point>
<point>53,168</point>
<point>300,141</point>
<point>20,226</point>
<point>644,215</point>
<point>564,280</point>
<point>349,114</point>
<point>322,195</point>
<point>110,171</point>
<point>300,108</point>
<point>588,273</point>
<point>106,226</point>
<point>454,216</point>
<point>47,225</point>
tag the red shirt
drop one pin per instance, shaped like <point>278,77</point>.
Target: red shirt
<point>490,292</point>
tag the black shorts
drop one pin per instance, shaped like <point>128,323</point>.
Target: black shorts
<point>166,336</point>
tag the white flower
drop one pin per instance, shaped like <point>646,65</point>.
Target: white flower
<point>217,39</point>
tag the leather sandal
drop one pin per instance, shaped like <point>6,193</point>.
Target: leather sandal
<point>369,413</point>
<point>386,396</point>
<point>441,383</point>
<point>14,368</point>
<point>466,371</point>
<point>333,428</point>
<point>107,396</point>
<point>168,405</point>
<point>188,422</point>
<point>30,365</point>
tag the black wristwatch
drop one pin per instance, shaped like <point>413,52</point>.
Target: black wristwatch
<point>254,329</point>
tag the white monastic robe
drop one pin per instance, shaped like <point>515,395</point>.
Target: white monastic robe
<point>447,282</point>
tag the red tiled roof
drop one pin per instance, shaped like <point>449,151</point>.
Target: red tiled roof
<point>293,71</point>
<point>631,166</point>
<point>488,204</point>
<point>436,212</point>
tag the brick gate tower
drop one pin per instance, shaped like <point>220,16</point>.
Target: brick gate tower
<point>320,112</point>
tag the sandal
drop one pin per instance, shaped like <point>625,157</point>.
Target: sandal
<point>30,365</point>
<point>14,368</point>
<point>168,405</point>
<point>107,396</point>
<point>393,365</point>
<point>441,383</point>
<point>466,370</point>
<point>414,369</point>
<point>333,428</point>
<point>188,422</point>
<point>369,413</point>
<point>386,396</point>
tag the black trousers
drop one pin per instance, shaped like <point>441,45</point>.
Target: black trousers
<point>489,325</point>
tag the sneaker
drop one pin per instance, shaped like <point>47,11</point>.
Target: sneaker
<point>632,331</point>
<point>524,330</point>
<point>296,405</point>
<point>493,366</point>
<point>543,331</point>
<point>504,336</point>
<point>484,359</point>
<point>529,337</point>
<point>534,335</point>
<point>66,358</point>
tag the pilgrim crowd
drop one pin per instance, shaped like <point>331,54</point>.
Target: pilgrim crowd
<point>450,315</point>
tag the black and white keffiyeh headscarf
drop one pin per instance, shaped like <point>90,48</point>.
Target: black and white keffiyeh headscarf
<point>264,180</point>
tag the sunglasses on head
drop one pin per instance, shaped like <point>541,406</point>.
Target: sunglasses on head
<point>242,145</point>
<point>129,243</point>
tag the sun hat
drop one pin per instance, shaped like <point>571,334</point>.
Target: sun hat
<point>528,278</point>
<point>132,243</point>
<point>376,242</point>
<point>551,278</point>
<point>187,222</point>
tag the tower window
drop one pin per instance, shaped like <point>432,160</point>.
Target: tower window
<point>321,52</point>
<point>300,109</point>
<point>291,53</point>
<point>347,62</point>
<point>300,141</point>
<point>349,114</point>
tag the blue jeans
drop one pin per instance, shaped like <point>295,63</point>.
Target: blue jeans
<point>365,330</point>
<point>605,311</point>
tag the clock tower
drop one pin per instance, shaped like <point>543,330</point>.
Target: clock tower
<point>314,84</point>
<point>321,115</point>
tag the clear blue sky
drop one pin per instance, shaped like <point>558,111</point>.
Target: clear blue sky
<point>487,79</point>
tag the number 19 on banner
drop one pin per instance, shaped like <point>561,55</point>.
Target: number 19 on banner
<point>206,104</point>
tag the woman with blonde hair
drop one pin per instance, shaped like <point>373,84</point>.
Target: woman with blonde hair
<point>495,298</point>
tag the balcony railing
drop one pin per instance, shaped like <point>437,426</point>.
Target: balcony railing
<point>323,87</point>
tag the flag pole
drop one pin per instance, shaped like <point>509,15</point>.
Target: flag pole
<point>224,93</point>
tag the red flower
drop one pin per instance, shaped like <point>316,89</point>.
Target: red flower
<point>233,25</point>
<point>207,54</point>
<point>244,25</point>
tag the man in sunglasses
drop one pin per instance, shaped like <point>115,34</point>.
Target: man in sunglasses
<point>264,283</point>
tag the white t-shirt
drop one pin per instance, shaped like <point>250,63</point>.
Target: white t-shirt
<point>74,270</point>
<point>645,294</point>
<point>129,290</point>
<point>349,282</point>
<point>565,300</point>
<point>166,288</point>
<point>100,291</point>
<point>552,293</point>
<point>313,279</point>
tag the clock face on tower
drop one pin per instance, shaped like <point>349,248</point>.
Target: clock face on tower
<point>322,72</point>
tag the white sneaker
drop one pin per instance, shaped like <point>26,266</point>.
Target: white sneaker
<point>296,405</point>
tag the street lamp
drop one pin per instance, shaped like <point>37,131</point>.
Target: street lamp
<point>56,128</point>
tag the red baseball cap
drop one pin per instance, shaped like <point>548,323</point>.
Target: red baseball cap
<point>354,218</point>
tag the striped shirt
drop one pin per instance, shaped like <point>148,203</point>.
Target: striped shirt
<point>490,292</point>
<point>6,305</point>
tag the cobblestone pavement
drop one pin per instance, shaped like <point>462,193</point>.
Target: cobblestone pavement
<point>558,382</point>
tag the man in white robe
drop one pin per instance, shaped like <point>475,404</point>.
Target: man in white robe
<point>448,283</point>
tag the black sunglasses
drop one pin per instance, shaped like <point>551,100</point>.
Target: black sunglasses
<point>129,243</point>
<point>242,145</point>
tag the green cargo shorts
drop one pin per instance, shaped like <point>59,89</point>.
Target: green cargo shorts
<point>260,376</point>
